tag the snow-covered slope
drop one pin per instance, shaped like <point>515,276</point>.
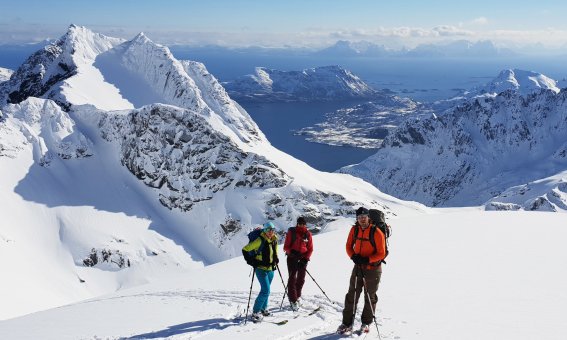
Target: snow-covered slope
<point>123,155</point>
<point>436,285</point>
<point>5,74</point>
<point>474,152</point>
<point>320,83</point>
<point>548,194</point>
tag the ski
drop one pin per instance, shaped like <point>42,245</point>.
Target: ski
<point>279,323</point>
<point>314,311</point>
<point>308,314</point>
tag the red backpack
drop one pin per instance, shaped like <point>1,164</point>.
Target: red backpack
<point>293,244</point>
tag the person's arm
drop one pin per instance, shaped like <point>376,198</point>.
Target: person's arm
<point>349,249</point>
<point>287,242</point>
<point>307,254</point>
<point>380,253</point>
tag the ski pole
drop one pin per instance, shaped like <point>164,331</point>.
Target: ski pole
<point>355,300</point>
<point>283,283</point>
<point>283,298</point>
<point>249,296</point>
<point>370,302</point>
<point>308,273</point>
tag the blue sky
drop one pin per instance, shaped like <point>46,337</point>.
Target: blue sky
<point>291,22</point>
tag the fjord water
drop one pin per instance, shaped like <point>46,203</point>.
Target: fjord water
<point>279,120</point>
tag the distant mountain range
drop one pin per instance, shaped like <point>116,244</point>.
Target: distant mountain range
<point>328,83</point>
<point>455,49</point>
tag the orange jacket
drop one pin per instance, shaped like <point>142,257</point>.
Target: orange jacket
<point>363,247</point>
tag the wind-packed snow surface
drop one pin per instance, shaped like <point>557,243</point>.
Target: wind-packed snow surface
<point>119,164</point>
<point>451,274</point>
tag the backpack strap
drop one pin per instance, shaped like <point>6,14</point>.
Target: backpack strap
<point>371,236</point>
<point>293,235</point>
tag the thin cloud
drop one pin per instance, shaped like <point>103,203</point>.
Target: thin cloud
<point>480,21</point>
<point>393,37</point>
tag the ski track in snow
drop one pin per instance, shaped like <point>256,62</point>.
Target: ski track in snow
<point>320,325</point>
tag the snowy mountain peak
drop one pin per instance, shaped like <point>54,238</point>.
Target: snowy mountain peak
<point>42,74</point>
<point>521,81</point>
<point>141,38</point>
<point>84,45</point>
<point>84,67</point>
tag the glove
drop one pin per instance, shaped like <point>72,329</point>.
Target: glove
<point>355,258</point>
<point>302,262</point>
<point>277,260</point>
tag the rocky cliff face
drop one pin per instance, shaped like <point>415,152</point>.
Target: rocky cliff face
<point>474,152</point>
<point>179,153</point>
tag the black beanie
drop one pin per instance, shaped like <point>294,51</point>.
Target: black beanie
<point>361,211</point>
<point>301,221</point>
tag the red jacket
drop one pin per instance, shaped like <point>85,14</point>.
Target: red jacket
<point>363,247</point>
<point>303,243</point>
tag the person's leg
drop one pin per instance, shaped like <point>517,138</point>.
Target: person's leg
<point>291,282</point>
<point>300,281</point>
<point>350,302</point>
<point>372,278</point>
<point>262,297</point>
<point>270,277</point>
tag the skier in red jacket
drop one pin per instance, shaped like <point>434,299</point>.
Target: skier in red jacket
<point>298,247</point>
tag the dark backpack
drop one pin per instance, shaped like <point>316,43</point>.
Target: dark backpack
<point>377,216</point>
<point>378,221</point>
<point>253,235</point>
